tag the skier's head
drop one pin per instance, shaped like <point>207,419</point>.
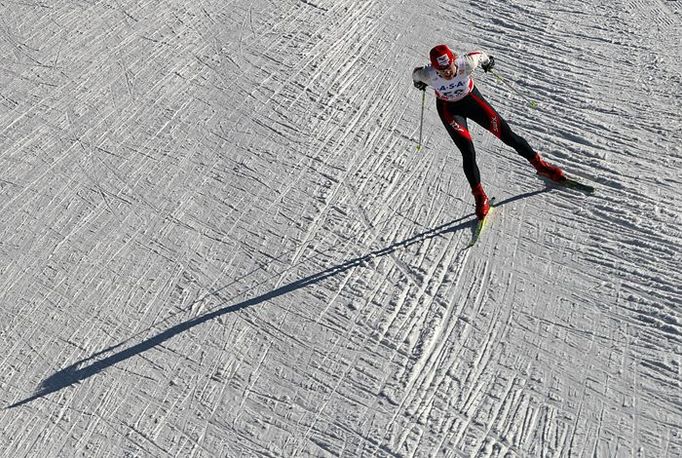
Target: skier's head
<point>441,57</point>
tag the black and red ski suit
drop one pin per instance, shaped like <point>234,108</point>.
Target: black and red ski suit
<point>473,106</point>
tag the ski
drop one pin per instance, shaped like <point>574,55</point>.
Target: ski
<point>578,186</point>
<point>481,224</point>
<point>570,183</point>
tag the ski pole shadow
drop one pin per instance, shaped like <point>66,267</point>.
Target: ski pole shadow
<point>510,200</point>
<point>87,367</point>
<point>525,195</point>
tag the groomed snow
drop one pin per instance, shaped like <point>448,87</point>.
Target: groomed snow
<point>219,240</point>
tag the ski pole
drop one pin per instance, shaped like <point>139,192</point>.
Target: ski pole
<point>421,121</point>
<point>533,104</point>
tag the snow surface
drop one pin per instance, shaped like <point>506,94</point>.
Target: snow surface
<point>218,238</point>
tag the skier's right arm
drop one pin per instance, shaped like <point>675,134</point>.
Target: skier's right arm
<point>419,78</point>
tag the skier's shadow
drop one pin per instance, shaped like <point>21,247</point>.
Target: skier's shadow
<point>88,367</point>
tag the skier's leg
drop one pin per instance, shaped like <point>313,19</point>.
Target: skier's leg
<point>485,115</point>
<point>456,125</point>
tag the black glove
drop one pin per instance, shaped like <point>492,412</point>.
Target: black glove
<point>490,65</point>
<point>419,85</point>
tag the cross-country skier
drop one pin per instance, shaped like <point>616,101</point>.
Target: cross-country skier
<point>457,99</point>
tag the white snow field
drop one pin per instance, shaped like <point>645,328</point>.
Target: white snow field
<point>219,240</point>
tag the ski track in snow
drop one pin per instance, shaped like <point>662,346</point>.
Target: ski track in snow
<point>219,240</point>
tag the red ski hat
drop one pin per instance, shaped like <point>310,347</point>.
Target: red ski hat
<point>441,57</point>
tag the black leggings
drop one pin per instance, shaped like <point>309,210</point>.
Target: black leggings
<point>454,116</point>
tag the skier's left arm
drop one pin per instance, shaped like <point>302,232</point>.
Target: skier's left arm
<point>476,58</point>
